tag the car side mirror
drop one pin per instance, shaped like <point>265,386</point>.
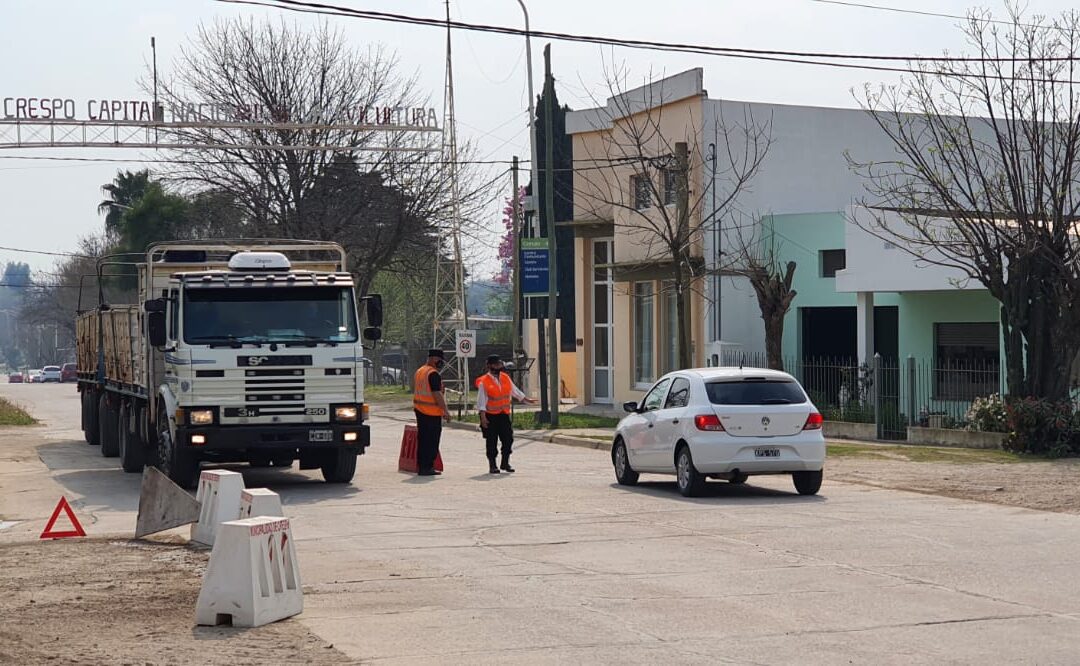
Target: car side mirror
<point>155,328</point>
<point>373,333</point>
<point>374,311</point>
<point>631,407</point>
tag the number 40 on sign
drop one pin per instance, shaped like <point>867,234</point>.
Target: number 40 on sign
<point>465,343</point>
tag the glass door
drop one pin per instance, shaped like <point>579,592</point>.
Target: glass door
<point>602,285</point>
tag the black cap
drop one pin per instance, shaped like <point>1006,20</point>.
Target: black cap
<point>494,358</point>
<point>436,352</point>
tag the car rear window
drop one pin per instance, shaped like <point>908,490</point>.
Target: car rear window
<point>52,368</point>
<point>755,392</point>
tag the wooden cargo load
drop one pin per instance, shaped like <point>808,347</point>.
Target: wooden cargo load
<point>121,330</point>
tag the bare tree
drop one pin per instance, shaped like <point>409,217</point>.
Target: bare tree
<point>647,175</point>
<point>986,180</point>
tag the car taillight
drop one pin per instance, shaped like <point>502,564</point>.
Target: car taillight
<point>813,422</point>
<point>710,422</point>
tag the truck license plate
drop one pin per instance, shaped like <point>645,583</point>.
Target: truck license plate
<point>320,435</point>
<point>766,453</point>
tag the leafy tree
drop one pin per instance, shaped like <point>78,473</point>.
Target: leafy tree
<point>122,193</point>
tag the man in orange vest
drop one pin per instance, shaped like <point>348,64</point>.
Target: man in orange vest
<point>495,391</point>
<point>429,403</point>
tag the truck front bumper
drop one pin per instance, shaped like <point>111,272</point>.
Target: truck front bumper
<point>252,437</point>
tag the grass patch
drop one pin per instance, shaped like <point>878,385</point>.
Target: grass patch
<point>927,454</point>
<point>387,393</point>
<point>13,415</point>
<point>527,421</point>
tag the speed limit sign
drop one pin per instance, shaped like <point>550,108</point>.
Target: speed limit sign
<point>465,343</point>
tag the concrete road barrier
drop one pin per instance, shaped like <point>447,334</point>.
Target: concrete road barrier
<point>259,502</point>
<point>253,577</point>
<point>219,501</point>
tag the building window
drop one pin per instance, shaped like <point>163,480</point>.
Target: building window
<point>832,261</point>
<point>601,320</point>
<point>641,191</point>
<point>644,332</point>
<point>967,360</point>
<point>671,184</point>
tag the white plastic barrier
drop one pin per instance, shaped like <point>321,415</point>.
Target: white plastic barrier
<point>259,502</point>
<point>219,500</point>
<point>253,577</point>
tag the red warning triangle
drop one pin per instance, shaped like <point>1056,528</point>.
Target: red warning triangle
<point>76,531</point>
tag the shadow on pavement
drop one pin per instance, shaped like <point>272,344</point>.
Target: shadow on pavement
<point>720,491</point>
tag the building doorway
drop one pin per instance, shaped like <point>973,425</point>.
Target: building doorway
<point>601,320</point>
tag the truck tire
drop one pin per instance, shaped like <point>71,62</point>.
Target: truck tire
<point>339,465</point>
<point>181,467</point>
<point>131,447</point>
<point>107,427</point>
<point>90,418</point>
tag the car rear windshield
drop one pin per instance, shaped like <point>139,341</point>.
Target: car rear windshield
<point>755,392</point>
<point>52,368</point>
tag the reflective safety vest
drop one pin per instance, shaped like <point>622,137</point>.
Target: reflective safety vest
<point>499,393</point>
<point>423,399</point>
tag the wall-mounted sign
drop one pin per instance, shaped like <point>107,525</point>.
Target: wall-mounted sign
<point>534,267</point>
<point>134,110</point>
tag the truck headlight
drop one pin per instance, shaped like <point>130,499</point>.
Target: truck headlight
<point>201,416</point>
<point>345,413</point>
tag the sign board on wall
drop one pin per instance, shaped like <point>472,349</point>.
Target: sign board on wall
<point>534,267</point>
<point>465,343</point>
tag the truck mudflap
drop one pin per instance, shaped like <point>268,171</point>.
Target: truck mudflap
<point>278,436</point>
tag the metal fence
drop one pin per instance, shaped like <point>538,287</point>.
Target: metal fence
<point>893,394</point>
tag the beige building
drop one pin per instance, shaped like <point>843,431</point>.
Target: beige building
<point>625,206</point>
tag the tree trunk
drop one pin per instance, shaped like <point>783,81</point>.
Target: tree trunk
<point>774,340</point>
<point>683,351</point>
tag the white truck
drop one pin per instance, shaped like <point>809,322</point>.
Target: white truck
<point>237,351</point>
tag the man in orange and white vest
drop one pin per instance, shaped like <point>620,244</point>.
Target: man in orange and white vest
<point>495,391</point>
<point>429,403</point>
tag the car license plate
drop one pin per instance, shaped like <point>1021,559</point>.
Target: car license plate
<point>320,435</point>
<point>766,453</point>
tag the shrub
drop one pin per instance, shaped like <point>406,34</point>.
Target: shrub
<point>1042,427</point>
<point>988,414</point>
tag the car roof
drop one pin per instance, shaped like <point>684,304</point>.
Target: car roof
<point>736,374</point>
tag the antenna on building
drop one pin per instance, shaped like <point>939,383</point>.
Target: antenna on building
<point>451,314</point>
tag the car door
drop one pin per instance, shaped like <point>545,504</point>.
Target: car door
<point>646,457</point>
<point>666,426</point>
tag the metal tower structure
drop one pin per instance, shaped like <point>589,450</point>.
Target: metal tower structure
<point>451,314</point>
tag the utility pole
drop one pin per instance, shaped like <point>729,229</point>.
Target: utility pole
<point>515,236</point>
<point>549,209</point>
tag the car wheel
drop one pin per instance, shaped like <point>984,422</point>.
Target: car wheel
<point>738,479</point>
<point>388,380</point>
<point>132,456</point>
<point>339,465</point>
<point>624,474</point>
<point>180,467</point>
<point>691,482</point>
<point>107,427</point>
<point>807,483</point>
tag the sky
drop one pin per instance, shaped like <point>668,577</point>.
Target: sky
<point>98,50</point>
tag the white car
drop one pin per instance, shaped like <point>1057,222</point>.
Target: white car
<point>721,423</point>
<point>51,373</point>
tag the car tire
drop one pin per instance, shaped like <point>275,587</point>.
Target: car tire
<point>339,465</point>
<point>180,466</point>
<point>388,380</point>
<point>90,409</point>
<point>807,483</point>
<point>738,479</point>
<point>624,474</point>
<point>690,481</point>
<point>132,456</point>
<point>107,427</point>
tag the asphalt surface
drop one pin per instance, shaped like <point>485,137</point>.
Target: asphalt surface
<point>558,564</point>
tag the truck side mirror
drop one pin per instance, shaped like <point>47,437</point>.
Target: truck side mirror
<point>155,305</point>
<point>155,328</point>
<point>373,333</point>
<point>374,312</point>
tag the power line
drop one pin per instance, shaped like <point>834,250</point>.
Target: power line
<point>51,254</point>
<point>763,54</point>
<point>922,12</point>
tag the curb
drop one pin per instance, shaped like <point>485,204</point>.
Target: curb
<point>531,435</point>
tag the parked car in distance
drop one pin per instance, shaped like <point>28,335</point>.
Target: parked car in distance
<point>721,423</point>
<point>34,377</point>
<point>51,373</point>
<point>68,372</point>
<point>15,378</point>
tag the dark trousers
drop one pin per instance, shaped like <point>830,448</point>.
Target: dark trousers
<point>499,428</point>
<point>428,434</point>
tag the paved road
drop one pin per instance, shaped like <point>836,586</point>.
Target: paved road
<point>557,564</point>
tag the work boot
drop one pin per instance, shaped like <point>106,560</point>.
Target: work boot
<point>506,464</point>
<point>492,469</point>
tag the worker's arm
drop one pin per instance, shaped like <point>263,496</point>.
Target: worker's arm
<point>437,391</point>
<point>519,395</point>
<point>481,405</point>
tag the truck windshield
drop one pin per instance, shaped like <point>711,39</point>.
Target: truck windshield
<point>284,315</point>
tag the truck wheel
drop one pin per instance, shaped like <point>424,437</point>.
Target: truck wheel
<point>180,467</point>
<point>90,417</point>
<point>131,446</point>
<point>339,465</point>
<point>107,427</point>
